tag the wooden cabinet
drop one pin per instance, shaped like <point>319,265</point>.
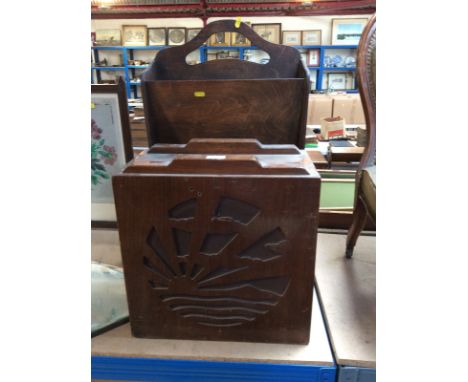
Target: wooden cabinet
<point>218,240</point>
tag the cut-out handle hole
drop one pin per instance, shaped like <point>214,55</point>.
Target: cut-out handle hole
<point>228,45</point>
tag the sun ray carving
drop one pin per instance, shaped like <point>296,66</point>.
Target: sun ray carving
<point>213,296</point>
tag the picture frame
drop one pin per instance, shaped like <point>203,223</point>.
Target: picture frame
<point>269,32</point>
<point>135,35</point>
<point>157,36</point>
<point>176,36</point>
<point>313,57</point>
<point>336,81</point>
<point>220,39</point>
<point>312,37</point>
<point>347,31</point>
<point>108,37</point>
<point>292,38</point>
<point>238,39</point>
<point>111,148</point>
<point>191,33</point>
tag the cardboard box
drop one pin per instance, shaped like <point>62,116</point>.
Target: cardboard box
<point>320,106</point>
<point>332,128</point>
<point>349,106</point>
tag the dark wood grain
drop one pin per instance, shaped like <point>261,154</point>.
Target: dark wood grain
<point>317,157</point>
<point>212,255</point>
<point>240,99</point>
<point>366,73</point>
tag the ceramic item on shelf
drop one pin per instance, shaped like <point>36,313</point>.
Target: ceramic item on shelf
<point>350,62</point>
<point>337,61</point>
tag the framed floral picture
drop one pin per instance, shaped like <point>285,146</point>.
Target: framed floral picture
<point>312,37</point>
<point>135,35</point>
<point>347,31</point>
<point>111,148</point>
<point>292,38</point>
<point>157,36</point>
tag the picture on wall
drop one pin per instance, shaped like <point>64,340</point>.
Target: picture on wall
<point>192,32</point>
<point>337,81</point>
<point>176,36</point>
<point>111,146</point>
<point>312,37</point>
<point>238,39</point>
<point>108,37</point>
<point>313,57</point>
<point>134,35</point>
<point>220,39</point>
<point>156,36</point>
<point>292,38</point>
<point>347,31</point>
<point>269,32</point>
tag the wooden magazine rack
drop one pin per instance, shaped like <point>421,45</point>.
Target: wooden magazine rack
<point>228,98</point>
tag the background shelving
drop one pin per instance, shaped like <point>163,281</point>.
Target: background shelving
<point>318,74</point>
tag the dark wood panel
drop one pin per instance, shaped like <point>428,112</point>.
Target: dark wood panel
<point>213,257</point>
<point>264,110</point>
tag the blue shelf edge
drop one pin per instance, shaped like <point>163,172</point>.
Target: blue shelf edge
<point>170,370</point>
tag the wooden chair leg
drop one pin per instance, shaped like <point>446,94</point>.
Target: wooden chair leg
<point>359,221</point>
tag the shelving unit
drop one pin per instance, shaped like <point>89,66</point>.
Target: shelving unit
<point>129,70</point>
<point>318,73</point>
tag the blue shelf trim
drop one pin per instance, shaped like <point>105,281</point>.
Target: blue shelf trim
<point>165,370</point>
<point>138,66</point>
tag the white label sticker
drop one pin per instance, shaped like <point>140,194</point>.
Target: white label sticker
<point>218,157</point>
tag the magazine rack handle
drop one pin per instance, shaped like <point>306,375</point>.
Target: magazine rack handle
<point>171,63</point>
